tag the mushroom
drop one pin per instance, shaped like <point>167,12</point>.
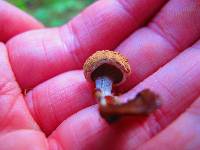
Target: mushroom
<point>107,69</point>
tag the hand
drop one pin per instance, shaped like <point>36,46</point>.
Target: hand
<point>46,64</point>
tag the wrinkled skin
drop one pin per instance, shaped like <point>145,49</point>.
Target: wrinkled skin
<point>46,104</point>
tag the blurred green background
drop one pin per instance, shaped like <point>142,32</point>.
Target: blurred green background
<point>52,12</point>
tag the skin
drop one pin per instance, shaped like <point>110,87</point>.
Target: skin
<point>161,40</point>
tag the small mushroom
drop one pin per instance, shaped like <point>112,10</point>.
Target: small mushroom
<point>108,68</point>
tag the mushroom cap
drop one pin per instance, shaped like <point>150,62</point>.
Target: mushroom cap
<point>105,61</point>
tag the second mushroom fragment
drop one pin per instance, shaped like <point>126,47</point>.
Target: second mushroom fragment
<point>107,69</point>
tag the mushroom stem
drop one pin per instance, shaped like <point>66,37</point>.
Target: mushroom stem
<point>111,108</point>
<point>104,84</point>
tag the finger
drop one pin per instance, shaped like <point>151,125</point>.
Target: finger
<point>177,83</point>
<point>101,26</point>
<point>13,111</point>
<point>175,28</point>
<point>13,21</point>
<point>54,100</point>
<point>181,134</point>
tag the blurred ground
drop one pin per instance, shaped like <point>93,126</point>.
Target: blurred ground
<point>52,12</point>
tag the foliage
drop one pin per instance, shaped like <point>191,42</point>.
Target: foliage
<point>52,12</point>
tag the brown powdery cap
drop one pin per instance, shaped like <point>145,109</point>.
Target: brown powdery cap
<point>108,63</point>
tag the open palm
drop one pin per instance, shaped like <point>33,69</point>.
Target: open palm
<point>58,111</point>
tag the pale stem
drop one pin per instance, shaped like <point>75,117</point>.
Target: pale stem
<point>104,84</point>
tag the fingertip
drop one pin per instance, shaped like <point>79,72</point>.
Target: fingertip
<point>14,21</point>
